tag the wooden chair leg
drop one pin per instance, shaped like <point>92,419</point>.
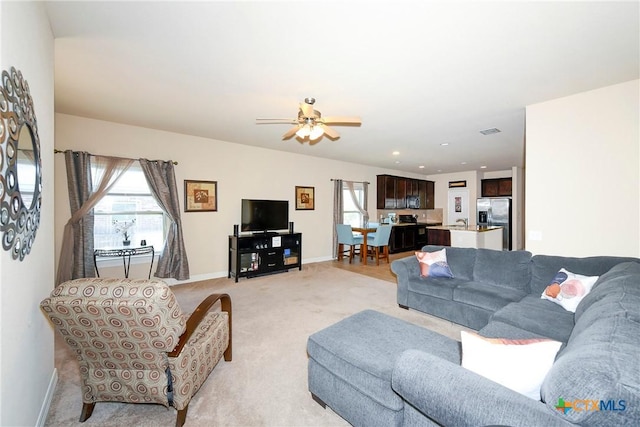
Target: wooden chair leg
<point>182,416</point>
<point>377,255</point>
<point>87,410</point>
<point>340,251</point>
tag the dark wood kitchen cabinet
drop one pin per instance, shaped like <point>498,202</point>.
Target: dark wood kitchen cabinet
<point>386,192</point>
<point>394,190</point>
<point>401,193</point>
<point>438,237</point>
<point>427,195</point>
<point>496,187</point>
<point>403,238</point>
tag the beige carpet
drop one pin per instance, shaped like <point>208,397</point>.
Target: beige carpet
<point>266,383</point>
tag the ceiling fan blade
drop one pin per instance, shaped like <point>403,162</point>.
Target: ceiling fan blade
<point>341,119</point>
<point>330,132</point>
<point>290,132</point>
<point>307,109</point>
<point>268,121</point>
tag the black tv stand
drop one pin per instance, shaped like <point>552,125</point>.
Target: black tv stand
<point>264,233</point>
<point>263,253</point>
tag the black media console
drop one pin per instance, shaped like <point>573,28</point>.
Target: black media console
<point>258,254</point>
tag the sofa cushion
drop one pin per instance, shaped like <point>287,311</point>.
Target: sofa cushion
<point>503,268</point>
<point>497,329</point>
<point>460,260</point>
<point>436,287</point>
<point>606,285</point>
<point>538,316</point>
<point>600,360</point>
<point>567,289</point>
<point>486,296</point>
<point>520,365</point>
<point>544,267</point>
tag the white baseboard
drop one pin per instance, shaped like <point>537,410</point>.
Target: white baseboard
<point>46,404</point>
<point>219,274</point>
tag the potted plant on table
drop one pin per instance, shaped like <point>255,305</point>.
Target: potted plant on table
<point>123,227</point>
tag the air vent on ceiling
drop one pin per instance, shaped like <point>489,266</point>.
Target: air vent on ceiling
<point>490,131</point>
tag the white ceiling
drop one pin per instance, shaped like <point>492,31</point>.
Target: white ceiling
<point>419,73</point>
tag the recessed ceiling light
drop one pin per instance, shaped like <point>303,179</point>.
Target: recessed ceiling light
<point>463,163</point>
<point>397,162</point>
<point>444,144</point>
<point>396,153</point>
<point>421,167</point>
<point>483,167</point>
<point>439,170</point>
<point>490,131</point>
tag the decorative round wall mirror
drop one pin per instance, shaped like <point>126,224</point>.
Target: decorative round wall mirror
<point>20,164</point>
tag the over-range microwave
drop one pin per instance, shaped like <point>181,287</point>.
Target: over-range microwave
<point>413,202</point>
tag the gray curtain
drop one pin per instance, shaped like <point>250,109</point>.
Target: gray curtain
<point>76,254</point>
<point>162,181</point>
<point>338,210</point>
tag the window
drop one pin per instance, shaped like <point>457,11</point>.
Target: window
<point>351,213</point>
<point>130,199</point>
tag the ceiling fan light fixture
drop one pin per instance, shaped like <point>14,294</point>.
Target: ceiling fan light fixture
<point>316,133</point>
<point>304,131</point>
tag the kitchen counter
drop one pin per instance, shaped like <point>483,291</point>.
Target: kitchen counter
<point>421,224</point>
<point>473,236</point>
<point>476,228</point>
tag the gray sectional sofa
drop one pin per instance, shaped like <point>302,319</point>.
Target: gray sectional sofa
<point>376,370</point>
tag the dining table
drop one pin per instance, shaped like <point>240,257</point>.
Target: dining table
<point>364,231</point>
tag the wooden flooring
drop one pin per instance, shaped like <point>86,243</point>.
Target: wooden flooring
<point>382,272</point>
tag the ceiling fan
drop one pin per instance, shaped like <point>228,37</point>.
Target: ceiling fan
<point>310,124</point>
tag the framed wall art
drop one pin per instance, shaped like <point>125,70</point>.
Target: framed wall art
<point>200,196</point>
<point>305,198</point>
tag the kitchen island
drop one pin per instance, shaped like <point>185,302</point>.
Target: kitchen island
<point>472,236</point>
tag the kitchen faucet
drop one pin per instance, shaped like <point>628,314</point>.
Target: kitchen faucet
<point>465,221</point>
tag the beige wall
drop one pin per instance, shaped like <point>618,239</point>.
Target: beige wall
<point>27,374</point>
<point>583,173</point>
<point>241,172</point>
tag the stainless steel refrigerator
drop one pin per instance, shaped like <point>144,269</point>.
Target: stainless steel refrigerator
<point>496,211</point>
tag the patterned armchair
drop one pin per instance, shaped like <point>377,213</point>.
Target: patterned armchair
<point>134,344</point>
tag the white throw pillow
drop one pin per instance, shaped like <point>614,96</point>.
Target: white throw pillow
<point>520,365</point>
<point>568,289</point>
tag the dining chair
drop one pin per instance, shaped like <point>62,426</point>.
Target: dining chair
<point>378,247</point>
<point>346,237</point>
<point>372,235</point>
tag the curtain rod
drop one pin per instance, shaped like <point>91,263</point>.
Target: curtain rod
<point>56,151</point>
<point>357,182</point>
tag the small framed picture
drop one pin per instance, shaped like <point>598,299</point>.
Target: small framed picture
<point>200,196</point>
<point>305,198</point>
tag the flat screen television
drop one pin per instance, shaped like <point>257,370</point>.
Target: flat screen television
<point>264,215</point>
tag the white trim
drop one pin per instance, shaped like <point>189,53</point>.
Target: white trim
<point>46,403</point>
<point>219,274</point>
